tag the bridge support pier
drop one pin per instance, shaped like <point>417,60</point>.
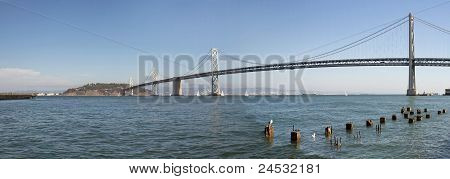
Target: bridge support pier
<point>412,67</point>
<point>177,87</point>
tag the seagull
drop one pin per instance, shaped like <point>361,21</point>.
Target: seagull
<point>271,121</point>
<point>314,136</point>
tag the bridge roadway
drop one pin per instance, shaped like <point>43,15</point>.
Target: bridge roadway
<point>440,62</point>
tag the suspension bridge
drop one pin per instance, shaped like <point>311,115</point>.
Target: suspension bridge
<point>319,61</point>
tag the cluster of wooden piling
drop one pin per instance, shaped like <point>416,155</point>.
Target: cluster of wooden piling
<point>358,135</point>
<point>408,113</point>
<point>378,128</point>
<point>337,142</point>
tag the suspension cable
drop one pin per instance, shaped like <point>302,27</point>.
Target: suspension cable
<point>357,44</point>
<point>240,60</point>
<point>432,7</point>
<point>362,40</point>
<point>429,24</point>
<point>200,63</point>
<point>347,37</point>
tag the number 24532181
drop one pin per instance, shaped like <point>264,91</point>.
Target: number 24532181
<point>288,168</point>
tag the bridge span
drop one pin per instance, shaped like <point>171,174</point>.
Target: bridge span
<point>314,62</point>
<point>439,62</point>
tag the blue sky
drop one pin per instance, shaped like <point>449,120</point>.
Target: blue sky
<point>41,48</point>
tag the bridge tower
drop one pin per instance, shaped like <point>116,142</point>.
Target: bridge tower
<point>154,77</point>
<point>130,83</point>
<point>412,67</point>
<point>215,91</point>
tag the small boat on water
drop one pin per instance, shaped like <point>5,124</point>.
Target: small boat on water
<point>246,93</point>
<point>198,93</point>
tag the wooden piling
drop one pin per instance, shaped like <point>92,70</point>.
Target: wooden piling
<point>394,117</point>
<point>295,136</point>
<point>369,123</point>
<point>269,132</point>
<point>408,109</point>
<point>406,115</point>
<point>382,120</point>
<point>418,118</point>
<point>349,126</point>
<point>328,131</point>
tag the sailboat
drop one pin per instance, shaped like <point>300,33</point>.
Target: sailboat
<point>198,93</point>
<point>346,93</point>
<point>222,93</point>
<point>246,93</point>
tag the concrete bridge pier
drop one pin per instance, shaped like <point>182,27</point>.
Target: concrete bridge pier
<point>177,87</point>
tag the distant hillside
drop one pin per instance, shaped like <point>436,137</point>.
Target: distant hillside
<point>97,89</point>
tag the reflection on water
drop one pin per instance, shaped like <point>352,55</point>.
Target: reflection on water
<point>227,127</point>
<point>411,100</point>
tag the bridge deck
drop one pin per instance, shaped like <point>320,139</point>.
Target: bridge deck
<point>443,62</point>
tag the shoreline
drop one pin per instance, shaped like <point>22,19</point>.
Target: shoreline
<point>12,96</point>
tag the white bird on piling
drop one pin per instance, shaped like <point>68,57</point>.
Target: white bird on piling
<point>270,122</point>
